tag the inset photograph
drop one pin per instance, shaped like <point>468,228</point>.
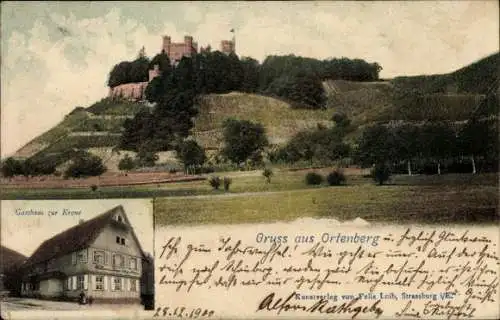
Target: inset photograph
<point>74,255</point>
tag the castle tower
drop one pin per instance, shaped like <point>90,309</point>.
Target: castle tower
<point>188,46</point>
<point>166,45</point>
<point>228,46</point>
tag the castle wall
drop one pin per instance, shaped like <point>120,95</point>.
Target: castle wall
<point>132,91</point>
<point>175,50</point>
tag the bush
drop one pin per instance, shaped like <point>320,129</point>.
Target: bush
<point>227,183</point>
<point>313,178</point>
<point>146,158</point>
<point>381,173</point>
<point>85,165</point>
<point>243,139</point>
<point>127,163</point>
<point>267,173</point>
<point>12,167</point>
<point>191,154</point>
<point>215,182</point>
<point>335,178</point>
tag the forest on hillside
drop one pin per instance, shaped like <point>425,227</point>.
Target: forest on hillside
<point>297,80</point>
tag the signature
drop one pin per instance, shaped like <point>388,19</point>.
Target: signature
<point>352,307</point>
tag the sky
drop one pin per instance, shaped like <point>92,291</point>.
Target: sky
<point>24,233</point>
<point>57,55</point>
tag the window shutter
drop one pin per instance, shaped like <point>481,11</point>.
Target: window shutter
<point>106,258</point>
<point>105,279</point>
<point>112,283</point>
<point>123,284</point>
<point>94,281</point>
<point>73,258</point>
<point>73,282</point>
<point>68,284</point>
<point>129,285</point>
<point>86,282</point>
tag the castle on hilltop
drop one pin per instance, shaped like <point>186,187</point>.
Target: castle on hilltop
<point>176,51</point>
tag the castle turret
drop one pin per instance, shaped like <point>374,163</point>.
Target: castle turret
<point>166,44</point>
<point>188,46</point>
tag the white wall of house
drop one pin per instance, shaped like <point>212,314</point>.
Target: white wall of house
<point>101,286</point>
<point>107,240</point>
<point>51,288</point>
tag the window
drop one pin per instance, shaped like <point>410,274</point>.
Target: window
<point>99,257</point>
<point>133,285</point>
<point>118,261</point>
<point>79,282</point>
<point>99,282</point>
<point>133,263</point>
<point>120,240</point>
<point>117,284</point>
<point>82,256</point>
<point>119,218</point>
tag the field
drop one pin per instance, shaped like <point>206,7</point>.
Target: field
<point>457,198</point>
<point>418,199</point>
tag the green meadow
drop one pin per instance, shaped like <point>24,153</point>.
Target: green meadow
<point>449,198</point>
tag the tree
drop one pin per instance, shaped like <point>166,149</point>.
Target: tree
<point>376,146</point>
<point>341,120</point>
<point>306,91</point>
<point>381,173</point>
<point>163,62</point>
<point>85,165</point>
<point>242,138</point>
<point>250,81</point>
<point>479,139</point>
<point>119,74</point>
<point>139,70</point>
<point>137,130</point>
<point>438,142</point>
<point>12,167</point>
<point>146,157</point>
<point>191,154</point>
<point>406,140</point>
<point>126,163</point>
<point>267,173</point>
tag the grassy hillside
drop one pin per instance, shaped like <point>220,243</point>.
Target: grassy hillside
<point>97,126</point>
<point>454,96</point>
<point>280,120</point>
<point>477,78</point>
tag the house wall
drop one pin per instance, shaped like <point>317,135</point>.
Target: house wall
<point>51,288</point>
<point>107,292</point>
<point>107,241</point>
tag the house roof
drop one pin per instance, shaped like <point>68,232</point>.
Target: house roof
<point>76,238</point>
<point>10,258</point>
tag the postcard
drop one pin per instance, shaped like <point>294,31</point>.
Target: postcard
<point>78,256</point>
<point>251,160</point>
